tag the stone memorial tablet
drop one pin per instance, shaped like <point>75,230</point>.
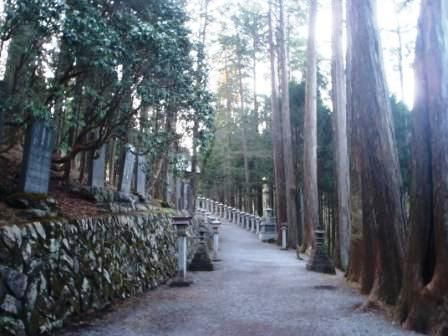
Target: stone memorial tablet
<point>140,175</point>
<point>3,94</point>
<point>97,166</point>
<point>188,197</point>
<point>179,193</point>
<point>35,176</point>
<point>127,169</point>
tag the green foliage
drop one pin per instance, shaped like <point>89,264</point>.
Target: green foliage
<point>325,150</point>
<point>115,69</point>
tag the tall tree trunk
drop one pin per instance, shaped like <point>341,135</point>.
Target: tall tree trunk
<point>340,136</point>
<point>246,197</point>
<point>425,286</point>
<point>355,269</point>
<point>200,63</point>
<point>310,191</point>
<point>295,233</point>
<point>380,168</point>
<point>228,177</point>
<point>255,78</point>
<point>277,133</point>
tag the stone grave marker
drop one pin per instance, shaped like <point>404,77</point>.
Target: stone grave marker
<point>97,166</point>
<point>140,175</point>
<point>179,194</point>
<point>3,93</point>
<point>188,197</point>
<point>127,169</point>
<point>35,176</point>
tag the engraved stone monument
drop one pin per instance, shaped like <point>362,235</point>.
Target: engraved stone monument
<point>35,177</point>
<point>140,176</point>
<point>97,165</point>
<point>127,169</point>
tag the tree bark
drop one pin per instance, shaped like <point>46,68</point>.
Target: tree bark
<point>340,137</point>
<point>425,286</point>
<point>200,62</point>
<point>277,138</point>
<point>246,198</point>
<point>310,189</point>
<point>228,116</point>
<point>383,215</point>
<point>295,234</point>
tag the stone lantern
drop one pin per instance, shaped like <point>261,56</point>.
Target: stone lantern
<point>181,224</point>
<point>267,227</point>
<point>320,261</point>
<point>201,259</point>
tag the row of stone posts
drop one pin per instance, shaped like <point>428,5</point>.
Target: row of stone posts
<point>264,227</point>
<point>211,214</point>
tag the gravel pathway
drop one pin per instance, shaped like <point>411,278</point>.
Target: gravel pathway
<point>255,290</point>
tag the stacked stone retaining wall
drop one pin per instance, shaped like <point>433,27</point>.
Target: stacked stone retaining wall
<point>64,269</point>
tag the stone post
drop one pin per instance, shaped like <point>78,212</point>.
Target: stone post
<point>181,224</point>
<point>215,226</point>
<point>254,224</point>
<point>284,236</point>
<point>247,226</point>
<point>257,223</point>
<point>233,215</point>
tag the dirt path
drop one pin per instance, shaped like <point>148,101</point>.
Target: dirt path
<point>256,290</point>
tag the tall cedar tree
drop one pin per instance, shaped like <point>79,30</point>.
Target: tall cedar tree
<point>310,189</point>
<point>295,233</point>
<point>425,286</point>
<point>340,136</point>
<point>383,215</point>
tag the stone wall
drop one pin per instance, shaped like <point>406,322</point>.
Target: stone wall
<point>59,270</point>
